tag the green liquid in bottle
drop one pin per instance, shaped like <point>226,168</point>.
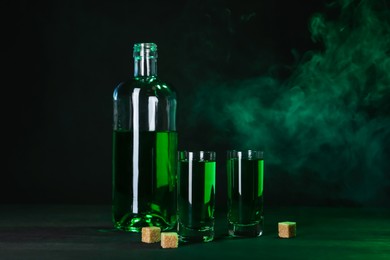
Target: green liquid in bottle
<point>245,192</point>
<point>144,179</point>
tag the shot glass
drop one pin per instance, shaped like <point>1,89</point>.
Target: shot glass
<point>196,196</point>
<point>245,175</point>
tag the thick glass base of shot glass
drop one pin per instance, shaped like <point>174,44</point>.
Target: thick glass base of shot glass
<point>204,234</point>
<point>246,230</point>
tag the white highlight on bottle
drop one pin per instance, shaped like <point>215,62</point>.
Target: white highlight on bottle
<point>190,159</point>
<point>152,112</point>
<point>135,99</point>
<point>239,156</point>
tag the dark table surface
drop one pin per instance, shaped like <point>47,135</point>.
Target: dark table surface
<point>85,232</point>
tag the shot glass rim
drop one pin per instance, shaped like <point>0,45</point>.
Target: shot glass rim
<point>212,154</point>
<point>245,153</point>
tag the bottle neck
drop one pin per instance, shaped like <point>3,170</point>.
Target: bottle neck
<point>145,66</point>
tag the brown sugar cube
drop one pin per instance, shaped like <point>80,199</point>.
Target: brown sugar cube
<point>169,240</point>
<point>151,234</point>
<point>287,229</point>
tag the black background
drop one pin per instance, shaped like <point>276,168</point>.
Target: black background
<point>62,60</point>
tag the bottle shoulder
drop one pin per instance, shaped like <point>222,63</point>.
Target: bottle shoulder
<point>146,85</point>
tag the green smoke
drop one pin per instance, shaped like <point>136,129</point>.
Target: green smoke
<point>326,130</point>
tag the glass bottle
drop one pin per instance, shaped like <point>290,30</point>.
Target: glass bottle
<point>144,147</point>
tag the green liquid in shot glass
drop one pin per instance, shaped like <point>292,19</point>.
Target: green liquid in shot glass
<point>196,197</point>
<point>245,192</point>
